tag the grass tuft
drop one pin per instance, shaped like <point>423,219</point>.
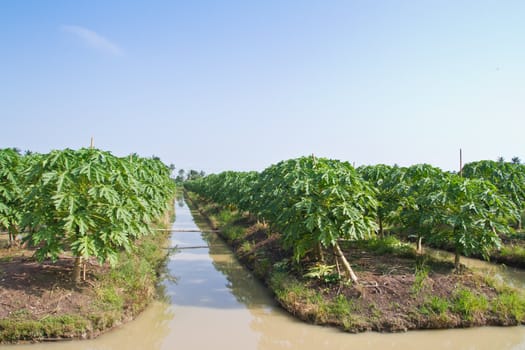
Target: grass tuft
<point>511,304</point>
<point>468,305</point>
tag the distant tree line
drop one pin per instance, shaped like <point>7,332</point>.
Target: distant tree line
<point>183,175</point>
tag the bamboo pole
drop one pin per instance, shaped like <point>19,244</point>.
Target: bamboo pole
<point>339,255</point>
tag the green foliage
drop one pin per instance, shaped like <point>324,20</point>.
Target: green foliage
<point>417,190</point>
<point>229,188</point>
<point>341,307</point>
<point>245,248</point>
<point>435,305</point>
<point>385,179</point>
<point>325,273</point>
<point>287,289</point>
<point>387,245</point>
<point>108,298</point>
<point>131,285</point>
<point>92,202</point>
<point>420,277</point>
<point>513,251</point>
<point>468,304</point>
<point>442,208</point>
<point>14,330</point>
<point>312,202</point>
<point>232,232</point>
<point>509,179</point>
<point>226,217</point>
<point>472,215</point>
<point>317,201</point>
<point>282,265</point>
<point>12,165</point>
<point>262,266</point>
<point>511,304</point>
<point>437,310</point>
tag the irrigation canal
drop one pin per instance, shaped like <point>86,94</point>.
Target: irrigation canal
<point>212,302</point>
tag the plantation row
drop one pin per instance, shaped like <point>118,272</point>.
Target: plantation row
<point>86,201</point>
<point>315,203</point>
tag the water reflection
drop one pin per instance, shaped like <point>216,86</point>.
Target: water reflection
<point>510,275</point>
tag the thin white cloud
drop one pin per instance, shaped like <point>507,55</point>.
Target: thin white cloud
<point>93,40</point>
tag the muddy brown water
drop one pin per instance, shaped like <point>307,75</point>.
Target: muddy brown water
<point>212,302</point>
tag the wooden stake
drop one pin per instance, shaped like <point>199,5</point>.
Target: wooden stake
<point>92,142</point>
<point>460,163</point>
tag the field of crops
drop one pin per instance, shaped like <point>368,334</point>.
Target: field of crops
<point>316,203</point>
<point>86,201</point>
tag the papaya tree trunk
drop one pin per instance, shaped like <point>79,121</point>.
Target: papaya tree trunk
<point>318,251</point>
<point>77,267</point>
<point>346,266</point>
<point>419,247</point>
<point>457,260</point>
<point>380,222</point>
<point>13,233</point>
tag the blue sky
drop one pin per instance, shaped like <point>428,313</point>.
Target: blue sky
<point>239,85</point>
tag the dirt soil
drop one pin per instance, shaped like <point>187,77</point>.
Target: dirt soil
<point>386,299</point>
<point>41,289</point>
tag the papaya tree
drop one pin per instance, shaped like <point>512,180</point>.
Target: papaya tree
<point>245,196</point>
<point>417,190</point>
<point>11,198</point>
<point>315,203</point>
<point>384,179</point>
<point>152,189</point>
<point>91,203</point>
<point>474,213</point>
<point>509,178</point>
